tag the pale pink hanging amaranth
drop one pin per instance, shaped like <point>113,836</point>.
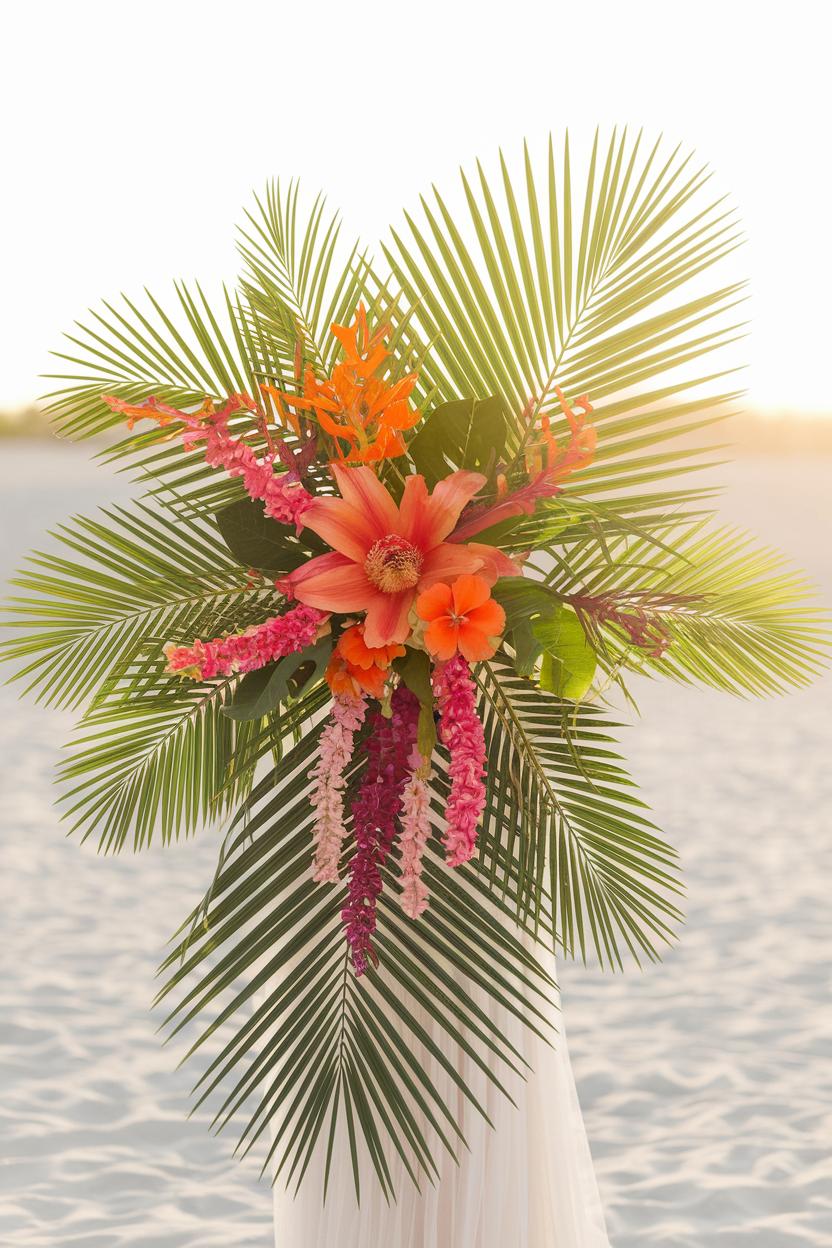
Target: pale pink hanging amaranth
<point>335,751</point>
<point>461,730</point>
<point>415,830</point>
<point>249,650</point>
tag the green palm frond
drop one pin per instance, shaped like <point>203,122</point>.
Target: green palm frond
<point>151,749</point>
<point>308,1042</point>
<point>737,616</point>
<point>547,289</point>
<point>180,355</point>
<point>118,587</point>
<point>293,287</point>
<point>560,807</point>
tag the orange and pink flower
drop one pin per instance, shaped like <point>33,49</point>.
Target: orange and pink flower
<point>385,554</point>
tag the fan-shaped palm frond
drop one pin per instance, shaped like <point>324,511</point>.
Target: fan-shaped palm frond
<point>560,807</point>
<point>736,616</point>
<point>294,289</point>
<point>549,290</point>
<point>308,1041</point>
<point>119,586</point>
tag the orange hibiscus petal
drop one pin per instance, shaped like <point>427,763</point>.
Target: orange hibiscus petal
<point>434,602</point>
<point>441,638</point>
<point>490,618</point>
<point>474,645</point>
<point>470,592</point>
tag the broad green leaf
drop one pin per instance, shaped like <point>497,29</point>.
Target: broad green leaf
<point>414,669</point>
<point>465,433</point>
<point>257,541</point>
<point>261,692</point>
<point>568,663</point>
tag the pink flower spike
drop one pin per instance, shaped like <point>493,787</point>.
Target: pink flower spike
<point>335,752</point>
<point>415,821</point>
<point>284,497</point>
<point>461,730</point>
<point>249,650</point>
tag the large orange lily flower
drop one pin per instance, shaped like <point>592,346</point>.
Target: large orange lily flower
<point>385,554</point>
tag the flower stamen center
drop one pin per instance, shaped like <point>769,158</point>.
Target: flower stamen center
<point>393,564</point>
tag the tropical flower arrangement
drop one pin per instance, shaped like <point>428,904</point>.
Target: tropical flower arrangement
<point>405,539</point>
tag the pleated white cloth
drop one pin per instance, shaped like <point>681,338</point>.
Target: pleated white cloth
<point>528,1182</point>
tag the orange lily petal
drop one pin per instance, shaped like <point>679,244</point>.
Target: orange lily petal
<point>387,620</point>
<point>445,506</point>
<point>362,488</point>
<point>448,561</point>
<point>494,563</point>
<point>343,527</point>
<point>333,583</point>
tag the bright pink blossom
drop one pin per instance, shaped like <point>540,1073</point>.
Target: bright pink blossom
<point>284,497</point>
<point>334,753</point>
<point>461,730</point>
<point>388,747</point>
<point>249,650</point>
<point>415,821</point>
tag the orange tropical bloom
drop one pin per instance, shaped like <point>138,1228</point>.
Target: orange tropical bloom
<point>462,617</point>
<point>357,668</point>
<point>384,554</point>
<point>364,414</point>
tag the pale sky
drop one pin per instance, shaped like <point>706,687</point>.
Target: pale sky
<point>133,134</point>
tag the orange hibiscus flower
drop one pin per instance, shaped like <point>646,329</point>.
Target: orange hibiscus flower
<point>362,412</point>
<point>384,554</point>
<point>461,617</point>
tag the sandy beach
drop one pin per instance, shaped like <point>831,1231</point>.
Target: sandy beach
<point>706,1082</point>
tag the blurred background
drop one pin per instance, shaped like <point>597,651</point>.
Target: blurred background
<point>133,137</point>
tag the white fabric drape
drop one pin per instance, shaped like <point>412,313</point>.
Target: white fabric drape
<point>527,1183</point>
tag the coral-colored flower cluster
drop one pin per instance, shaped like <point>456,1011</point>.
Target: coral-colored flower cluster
<point>356,668</point>
<point>282,493</point>
<point>249,650</point>
<point>462,732</point>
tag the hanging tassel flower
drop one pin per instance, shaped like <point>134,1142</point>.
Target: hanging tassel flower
<point>249,650</point>
<point>335,752</point>
<point>388,746</point>
<point>415,831</point>
<point>461,730</point>
<point>284,497</point>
